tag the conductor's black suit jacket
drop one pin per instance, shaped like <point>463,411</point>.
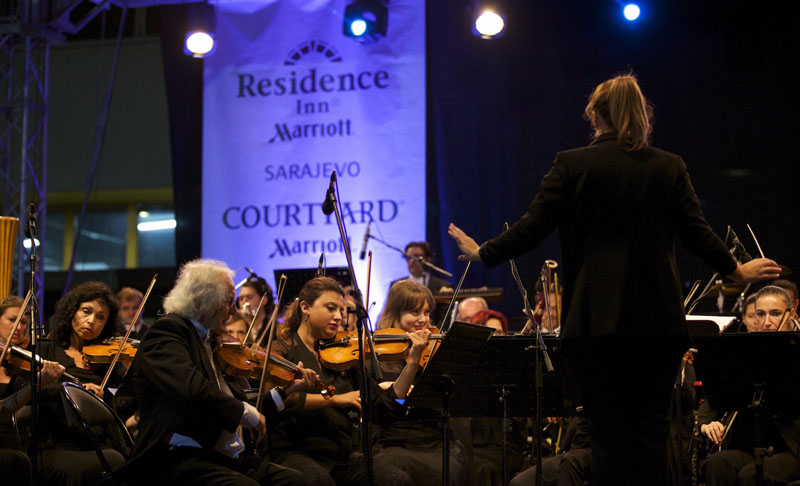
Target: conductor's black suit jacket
<point>618,214</point>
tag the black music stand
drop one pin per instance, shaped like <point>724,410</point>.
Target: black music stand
<point>756,371</point>
<point>501,385</point>
<point>447,370</point>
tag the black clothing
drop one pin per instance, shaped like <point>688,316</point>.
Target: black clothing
<point>619,213</point>
<point>321,442</point>
<point>571,466</point>
<point>178,393</point>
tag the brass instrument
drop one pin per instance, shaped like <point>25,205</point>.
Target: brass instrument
<point>9,228</point>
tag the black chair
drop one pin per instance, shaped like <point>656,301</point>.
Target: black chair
<point>91,411</point>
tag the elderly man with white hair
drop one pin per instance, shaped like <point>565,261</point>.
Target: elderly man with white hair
<point>191,418</point>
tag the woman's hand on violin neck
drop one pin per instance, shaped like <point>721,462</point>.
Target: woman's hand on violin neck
<point>419,340</point>
<point>96,389</point>
<point>349,399</point>
<point>51,371</point>
<point>307,379</point>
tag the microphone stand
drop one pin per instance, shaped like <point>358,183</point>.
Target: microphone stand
<point>425,263</point>
<point>541,352</point>
<point>35,329</point>
<point>363,333</point>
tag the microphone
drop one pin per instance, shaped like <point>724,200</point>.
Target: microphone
<point>31,226</point>
<point>363,254</point>
<point>252,273</point>
<point>330,197</point>
<point>319,266</point>
<point>739,250</point>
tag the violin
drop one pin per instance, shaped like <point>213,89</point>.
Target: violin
<point>237,360</point>
<point>390,345</point>
<point>103,353</point>
<point>19,359</point>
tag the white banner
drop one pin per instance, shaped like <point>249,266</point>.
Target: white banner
<point>287,100</point>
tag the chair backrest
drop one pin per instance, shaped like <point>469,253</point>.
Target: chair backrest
<point>91,411</point>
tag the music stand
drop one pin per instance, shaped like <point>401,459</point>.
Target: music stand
<point>756,371</point>
<point>501,385</point>
<point>449,368</point>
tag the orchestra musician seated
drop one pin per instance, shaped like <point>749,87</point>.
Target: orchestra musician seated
<point>15,392</point>
<point>774,311</point>
<point>568,466</point>
<point>87,314</point>
<point>413,442</point>
<point>493,319</point>
<point>318,435</point>
<point>191,419</point>
<point>733,464</point>
<point>129,301</point>
<point>470,306</point>
<point>250,294</point>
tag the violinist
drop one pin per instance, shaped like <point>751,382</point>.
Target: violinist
<point>250,294</point>
<point>15,391</point>
<point>413,442</point>
<point>236,327</point>
<point>773,309</point>
<point>191,419</point>
<point>493,319</point>
<point>87,314</point>
<point>318,436</point>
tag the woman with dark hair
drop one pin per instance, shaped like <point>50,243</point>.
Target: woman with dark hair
<point>316,435</point>
<point>619,205</point>
<point>250,294</point>
<point>86,315</point>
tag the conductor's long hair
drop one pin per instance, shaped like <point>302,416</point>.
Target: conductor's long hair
<point>308,294</point>
<point>620,103</point>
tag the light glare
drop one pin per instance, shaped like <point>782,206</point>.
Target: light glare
<point>489,24</point>
<point>199,43</point>
<point>358,27</point>
<point>631,12</point>
<point>27,243</point>
<point>163,224</point>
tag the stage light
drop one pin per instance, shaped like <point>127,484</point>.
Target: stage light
<point>200,26</point>
<point>631,12</point>
<point>366,20</point>
<point>489,24</point>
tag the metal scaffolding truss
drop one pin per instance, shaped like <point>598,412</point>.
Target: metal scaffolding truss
<point>24,60</point>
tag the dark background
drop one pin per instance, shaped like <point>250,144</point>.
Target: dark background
<point>719,74</point>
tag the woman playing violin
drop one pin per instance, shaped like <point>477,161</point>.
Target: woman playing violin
<point>317,436</point>
<point>413,442</point>
<point>86,315</point>
<point>15,391</point>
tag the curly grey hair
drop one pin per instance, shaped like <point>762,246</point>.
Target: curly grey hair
<point>202,291</point>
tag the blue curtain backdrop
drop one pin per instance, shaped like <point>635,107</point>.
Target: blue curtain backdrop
<point>720,75</point>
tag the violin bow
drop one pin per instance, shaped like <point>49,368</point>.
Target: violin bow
<point>268,329</point>
<point>15,326</point>
<point>253,320</point>
<point>128,333</point>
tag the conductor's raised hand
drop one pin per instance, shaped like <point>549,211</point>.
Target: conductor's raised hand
<point>469,248</point>
<point>756,270</point>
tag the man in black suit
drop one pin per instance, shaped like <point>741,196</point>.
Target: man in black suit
<point>415,252</point>
<point>191,419</point>
<point>619,205</point>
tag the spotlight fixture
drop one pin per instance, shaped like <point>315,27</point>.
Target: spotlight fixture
<point>489,22</point>
<point>631,12</point>
<point>201,23</point>
<point>366,20</point>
